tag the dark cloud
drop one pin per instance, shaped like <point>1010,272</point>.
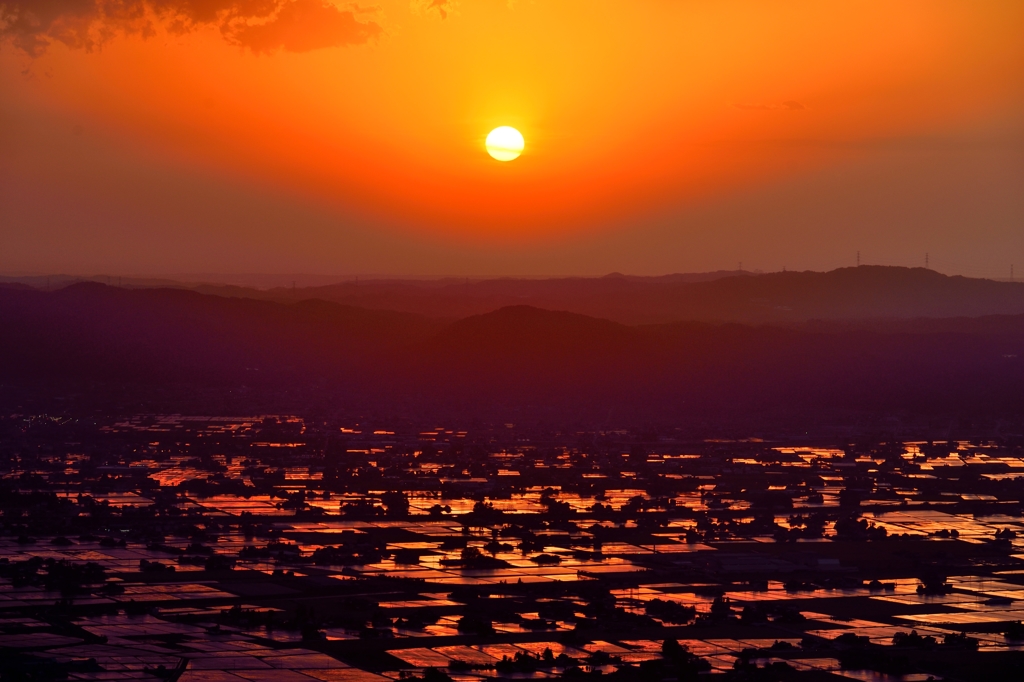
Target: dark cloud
<point>261,25</point>
<point>304,25</point>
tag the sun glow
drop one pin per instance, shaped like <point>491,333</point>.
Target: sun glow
<point>505,143</point>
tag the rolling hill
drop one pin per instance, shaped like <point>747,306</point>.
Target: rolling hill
<point>512,358</point>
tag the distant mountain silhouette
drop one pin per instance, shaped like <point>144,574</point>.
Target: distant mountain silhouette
<point>517,357</point>
<point>526,354</point>
<point>106,333</point>
<point>778,298</point>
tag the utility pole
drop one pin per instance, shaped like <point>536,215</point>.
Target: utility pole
<point>926,262</point>
<point>1011,272</point>
<point>858,259</point>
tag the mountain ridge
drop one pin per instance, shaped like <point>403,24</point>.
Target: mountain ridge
<point>782,297</point>
<point>514,358</point>
<point>861,293</point>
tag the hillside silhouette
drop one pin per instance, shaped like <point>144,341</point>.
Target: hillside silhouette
<point>516,356</point>
<point>864,292</point>
<point>102,333</point>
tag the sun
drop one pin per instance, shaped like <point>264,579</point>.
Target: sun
<point>505,143</point>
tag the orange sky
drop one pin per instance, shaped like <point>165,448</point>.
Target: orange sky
<point>223,136</point>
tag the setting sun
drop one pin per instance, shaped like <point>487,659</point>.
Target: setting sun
<point>505,143</point>
<point>667,137</point>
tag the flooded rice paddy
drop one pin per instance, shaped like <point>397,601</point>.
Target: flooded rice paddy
<point>216,549</point>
